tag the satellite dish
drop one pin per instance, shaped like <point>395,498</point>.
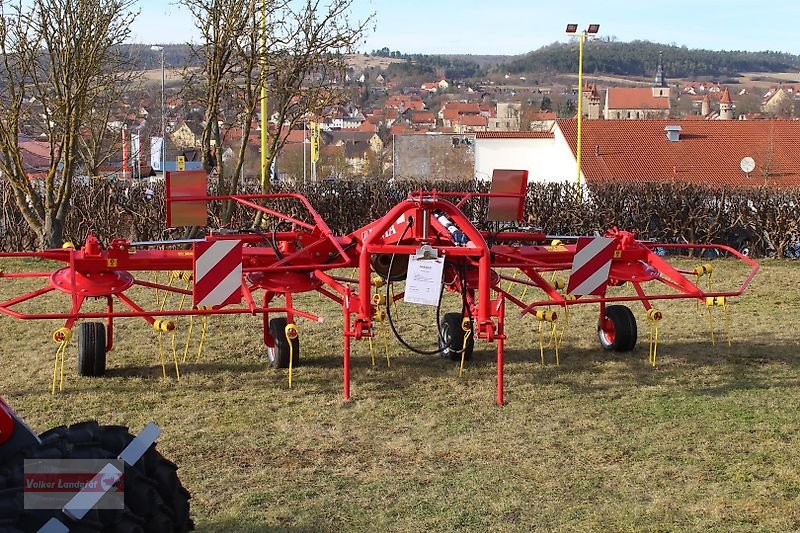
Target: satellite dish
<point>747,165</point>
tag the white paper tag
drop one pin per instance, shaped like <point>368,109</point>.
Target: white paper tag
<point>424,281</point>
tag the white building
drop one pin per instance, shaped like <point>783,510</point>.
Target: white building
<point>544,154</point>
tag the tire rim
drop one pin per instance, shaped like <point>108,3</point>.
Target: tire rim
<point>607,331</point>
<point>446,339</point>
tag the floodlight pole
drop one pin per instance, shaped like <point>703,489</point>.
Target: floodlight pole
<point>263,96</point>
<point>572,29</point>
<point>581,38</point>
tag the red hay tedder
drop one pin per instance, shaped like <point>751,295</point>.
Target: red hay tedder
<point>426,240</point>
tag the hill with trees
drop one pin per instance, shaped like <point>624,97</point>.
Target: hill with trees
<point>639,58</point>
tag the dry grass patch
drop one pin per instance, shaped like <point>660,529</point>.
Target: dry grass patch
<point>707,440</point>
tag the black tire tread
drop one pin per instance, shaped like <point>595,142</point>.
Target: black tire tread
<point>452,322</point>
<point>625,329</point>
<point>91,349</point>
<point>280,356</point>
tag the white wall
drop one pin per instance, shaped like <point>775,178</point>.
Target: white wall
<point>546,160</point>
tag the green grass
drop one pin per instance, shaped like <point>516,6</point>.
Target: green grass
<point>707,440</point>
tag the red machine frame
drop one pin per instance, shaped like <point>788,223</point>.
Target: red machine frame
<point>284,263</point>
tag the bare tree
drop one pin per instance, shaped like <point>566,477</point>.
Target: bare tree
<point>58,58</point>
<point>99,140</point>
<point>307,63</point>
<point>297,51</point>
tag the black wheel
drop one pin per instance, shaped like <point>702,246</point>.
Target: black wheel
<point>279,354</point>
<point>91,349</point>
<point>155,500</point>
<point>451,338</point>
<point>617,329</point>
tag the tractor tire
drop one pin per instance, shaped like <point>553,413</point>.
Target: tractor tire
<point>155,500</point>
<point>91,349</point>
<point>617,329</point>
<point>451,338</point>
<point>279,354</point>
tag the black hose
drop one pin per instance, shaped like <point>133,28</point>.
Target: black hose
<point>438,308</point>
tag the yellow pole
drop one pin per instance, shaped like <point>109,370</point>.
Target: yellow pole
<point>264,127</point>
<point>581,36</point>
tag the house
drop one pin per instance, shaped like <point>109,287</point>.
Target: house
<point>35,156</point>
<point>778,103</point>
<point>430,87</point>
<point>402,102</point>
<point>639,102</point>
<point>634,151</point>
<point>344,138</point>
<point>470,124</point>
<point>421,119</point>
<point>187,134</point>
<point>508,117</point>
<point>691,151</point>
<point>535,151</point>
<point>450,112</point>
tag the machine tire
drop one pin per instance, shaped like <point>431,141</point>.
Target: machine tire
<point>91,349</point>
<point>279,354</point>
<point>617,330</point>
<point>155,500</point>
<point>451,338</point>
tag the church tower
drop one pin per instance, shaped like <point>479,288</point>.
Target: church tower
<point>660,87</point>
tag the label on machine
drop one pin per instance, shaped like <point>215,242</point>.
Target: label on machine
<point>424,280</point>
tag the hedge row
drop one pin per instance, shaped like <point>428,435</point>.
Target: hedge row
<point>763,221</point>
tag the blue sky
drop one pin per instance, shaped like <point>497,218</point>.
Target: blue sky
<point>518,26</point>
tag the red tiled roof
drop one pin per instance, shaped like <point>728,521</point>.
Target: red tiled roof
<point>708,152</point>
<point>514,135</point>
<point>462,107</point>
<point>367,126</point>
<point>398,129</point>
<point>423,117</point>
<point>543,115</point>
<point>726,97</point>
<point>472,120</point>
<point>635,98</point>
<point>450,114</point>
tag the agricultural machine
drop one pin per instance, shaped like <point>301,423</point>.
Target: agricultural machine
<point>423,246</point>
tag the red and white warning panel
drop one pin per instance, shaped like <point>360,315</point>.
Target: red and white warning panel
<point>217,273</point>
<point>591,266</point>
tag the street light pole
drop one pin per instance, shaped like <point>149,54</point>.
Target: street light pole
<point>591,30</point>
<point>163,111</point>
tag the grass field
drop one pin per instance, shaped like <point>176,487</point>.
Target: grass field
<point>707,440</point>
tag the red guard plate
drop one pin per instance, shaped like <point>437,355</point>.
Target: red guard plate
<point>508,209</point>
<point>186,184</point>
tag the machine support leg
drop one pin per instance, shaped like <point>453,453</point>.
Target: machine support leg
<point>500,356</point>
<point>110,325</point>
<point>501,339</point>
<point>346,337</point>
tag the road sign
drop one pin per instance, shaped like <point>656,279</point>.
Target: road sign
<point>217,273</point>
<point>590,266</point>
<point>181,162</point>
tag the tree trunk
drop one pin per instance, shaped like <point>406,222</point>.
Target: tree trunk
<point>52,235</point>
